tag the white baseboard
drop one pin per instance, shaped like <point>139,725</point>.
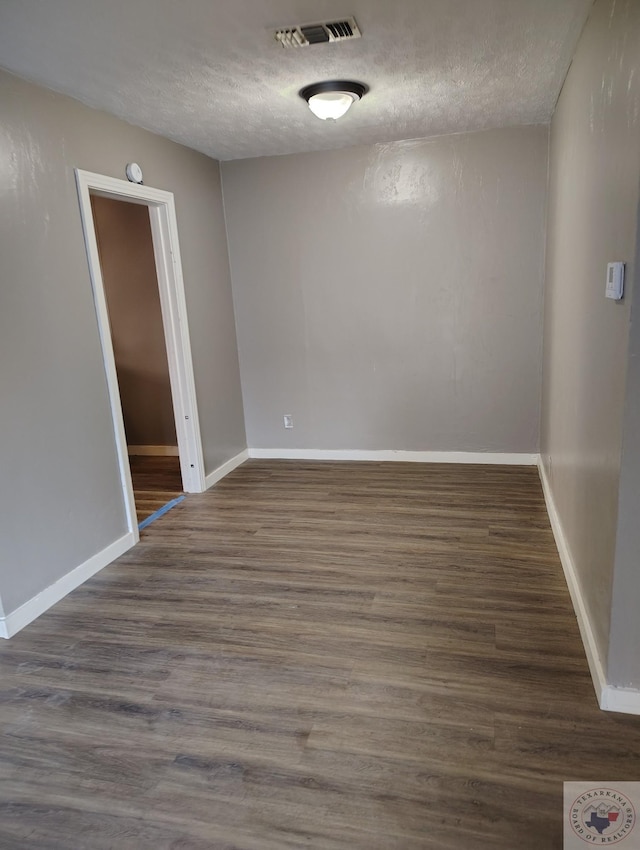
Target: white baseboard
<point>34,607</point>
<point>155,451</point>
<point>620,699</point>
<point>609,697</point>
<point>594,660</point>
<point>215,476</point>
<point>397,456</point>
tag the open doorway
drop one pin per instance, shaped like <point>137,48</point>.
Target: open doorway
<point>127,262</point>
<point>141,311</point>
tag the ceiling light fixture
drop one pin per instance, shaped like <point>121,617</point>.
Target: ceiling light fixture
<point>332,98</point>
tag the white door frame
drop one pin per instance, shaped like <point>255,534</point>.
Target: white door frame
<point>164,229</point>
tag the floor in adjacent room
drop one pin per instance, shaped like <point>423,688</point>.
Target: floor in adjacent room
<point>312,655</point>
<point>156,481</point>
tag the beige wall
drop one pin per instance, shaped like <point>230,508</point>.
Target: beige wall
<point>128,268</point>
<point>61,500</point>
<point>593,200</point>
<point>390,297</point>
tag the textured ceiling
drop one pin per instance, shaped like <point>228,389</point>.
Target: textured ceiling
<point>209,74</point>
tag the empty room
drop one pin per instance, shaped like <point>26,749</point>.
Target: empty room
<point>320,416</point>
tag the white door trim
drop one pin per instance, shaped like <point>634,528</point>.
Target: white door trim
<point>164,228</point>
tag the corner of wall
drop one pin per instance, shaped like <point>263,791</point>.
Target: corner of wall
<point>545,242</point>
<point>12,622</point>
<point>589,640</point>
<point>233,303</point>
<point>225,468</point>
<point>4,633</point>
<point>610,697</point>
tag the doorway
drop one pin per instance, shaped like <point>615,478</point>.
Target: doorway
<point>127,263</point>
<point>138,292</point>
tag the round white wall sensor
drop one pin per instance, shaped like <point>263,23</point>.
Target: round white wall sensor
<point>133,172</point>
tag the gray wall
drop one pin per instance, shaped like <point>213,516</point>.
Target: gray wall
<point>390,297</point>
<point>593,199</point>
<point>60,500</point>
<point>127,261</point>
<point>624,654</point>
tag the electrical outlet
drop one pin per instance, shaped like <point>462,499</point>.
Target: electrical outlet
<point>288,420</point>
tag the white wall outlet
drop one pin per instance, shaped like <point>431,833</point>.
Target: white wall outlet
<point>615,281</point>
<point>288,420</point>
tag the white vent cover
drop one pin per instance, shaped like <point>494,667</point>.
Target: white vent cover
<point>303,36</point>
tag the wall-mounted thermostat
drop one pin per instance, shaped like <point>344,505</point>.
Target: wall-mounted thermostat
<point>615,281</point>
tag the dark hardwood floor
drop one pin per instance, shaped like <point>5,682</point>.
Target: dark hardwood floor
<point>312,655</point>
<point>156,481</point>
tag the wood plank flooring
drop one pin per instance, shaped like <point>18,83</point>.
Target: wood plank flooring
<point>156,481</point>
<point>312,655</point>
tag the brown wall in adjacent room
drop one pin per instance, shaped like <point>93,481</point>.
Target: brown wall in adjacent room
<point>131,287</point>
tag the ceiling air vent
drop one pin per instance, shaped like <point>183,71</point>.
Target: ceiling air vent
<point>303,36</point>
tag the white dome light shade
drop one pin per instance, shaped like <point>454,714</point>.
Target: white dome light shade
<point>331,104</point>
<point>332,99</point>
